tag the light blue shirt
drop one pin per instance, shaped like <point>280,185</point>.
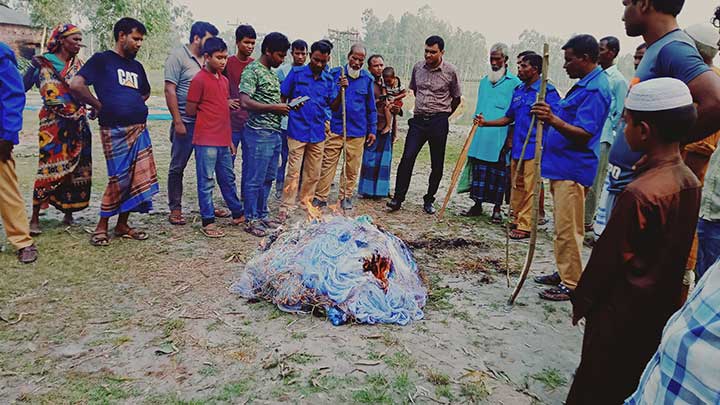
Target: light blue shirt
<point>619,90</point>
<point>493,101</point>
<point>282,73</point>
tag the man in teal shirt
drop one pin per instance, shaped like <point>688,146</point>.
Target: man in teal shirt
<point>487,154</point>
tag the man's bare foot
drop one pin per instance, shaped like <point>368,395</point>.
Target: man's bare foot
<point>35,228</point>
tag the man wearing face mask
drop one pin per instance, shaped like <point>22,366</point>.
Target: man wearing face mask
<point>122,87</point>
<point>361,119</point>
<point>488,151</point>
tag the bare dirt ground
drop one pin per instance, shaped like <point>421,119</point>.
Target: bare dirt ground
<point>154,323</point>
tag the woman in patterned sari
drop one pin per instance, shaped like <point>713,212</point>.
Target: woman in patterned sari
<point>65,168</point>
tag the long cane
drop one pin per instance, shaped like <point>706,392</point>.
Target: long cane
<point>538,184</point>
<point>343,173</point>
<point>458,170</point>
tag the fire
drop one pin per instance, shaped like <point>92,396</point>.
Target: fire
<point>314,213</point>
<point>380,267</point>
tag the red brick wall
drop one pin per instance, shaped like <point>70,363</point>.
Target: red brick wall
<point>23,40</point>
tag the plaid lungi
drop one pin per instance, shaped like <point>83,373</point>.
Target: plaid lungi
<point>132,176</point>
<point>489,181</point>
<point>375,173</point>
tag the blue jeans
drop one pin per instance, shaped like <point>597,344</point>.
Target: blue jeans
<point>263,150</point>
<point>280,178</point>
<point>180,152</point>
<point>212,162</point>
<point>708,245</point>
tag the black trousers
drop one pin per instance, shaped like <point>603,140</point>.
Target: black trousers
<point>432,130</point>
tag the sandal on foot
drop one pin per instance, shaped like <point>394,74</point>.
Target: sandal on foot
<point>543,221</point>
<point>212,231</point>
<point>177,219</point>
<point>256,229</point>
<point>28,254</point>
<point>496,218</point>
<point>238,221</point>
<point>517,234</point>
<point>559,293</point>
<point>35,230</point>
<point>222,213</point>
<point>99,239</point>
<point>132,233</point>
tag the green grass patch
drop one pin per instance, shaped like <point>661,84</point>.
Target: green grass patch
<point>550,378</point>
<point>400,360</point>
<point>445,391</point>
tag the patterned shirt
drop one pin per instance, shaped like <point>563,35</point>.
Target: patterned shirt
<point>710,203</point>
<point>434,88</point>
<point>261,84</point>
<point>686,367</point>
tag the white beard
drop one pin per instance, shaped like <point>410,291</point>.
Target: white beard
<point>354,74</point>
<point>495,77</point>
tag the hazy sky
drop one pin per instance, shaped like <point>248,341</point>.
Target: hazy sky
<point>311,19</point>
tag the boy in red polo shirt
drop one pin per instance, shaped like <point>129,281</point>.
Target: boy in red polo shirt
<point>209,99</point>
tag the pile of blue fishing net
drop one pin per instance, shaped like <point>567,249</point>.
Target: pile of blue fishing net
<point>346,267</point>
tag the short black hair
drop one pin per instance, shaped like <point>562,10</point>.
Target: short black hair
<point>388,71</point>
<point>612,43</point>
<point>299,44</point>
<point>213,45</point>
<point>525,53</point>
<point>126,25</point>
<point>436,40</point>
<point>375,56</point>
<point>245,31</point>
<point>274,42</point>
<point>670,125</point>
<point>584,44</point>
<point>534,60</point>
<point>716,18</point>
<point>200,28</point>
<point>672,7</point>
<point>641,46</point>
<point>323,46</point>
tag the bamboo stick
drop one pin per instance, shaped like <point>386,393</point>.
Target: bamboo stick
<point>538,184</point>
<point>458,170</point>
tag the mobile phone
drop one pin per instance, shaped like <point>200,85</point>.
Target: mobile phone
<point>298,101</point>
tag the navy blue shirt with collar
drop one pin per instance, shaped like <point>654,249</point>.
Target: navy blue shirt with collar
<point>360,106</point>
<point>586,106</point>
<point>307,124</point>
<point>524,97</point>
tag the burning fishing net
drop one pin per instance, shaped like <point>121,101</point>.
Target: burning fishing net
<point>347,267</point>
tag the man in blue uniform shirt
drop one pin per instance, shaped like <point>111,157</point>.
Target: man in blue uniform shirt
<point>570,157</point>
<point>361,115</point>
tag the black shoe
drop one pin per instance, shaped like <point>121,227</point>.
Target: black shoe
<point>474,211</point>
<point>429,208</point>
<point>550,279</point>
<point>394,205</point>
<point>319,204</point>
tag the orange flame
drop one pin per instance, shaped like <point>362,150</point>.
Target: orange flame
<point>314,213</point>
<point>380,267</point>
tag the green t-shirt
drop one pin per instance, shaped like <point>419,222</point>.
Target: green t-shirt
<point>263,86</point>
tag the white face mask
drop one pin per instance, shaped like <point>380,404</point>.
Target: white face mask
<point>354,74</point>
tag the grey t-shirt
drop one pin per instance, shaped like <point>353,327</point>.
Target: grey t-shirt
<point>180,68</point>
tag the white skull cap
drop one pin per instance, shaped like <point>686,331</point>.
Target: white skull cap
<point>659,94</point>
<point>705,34</point>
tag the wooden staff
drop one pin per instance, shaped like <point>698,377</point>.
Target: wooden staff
<point>343,172</point>
<point>538,184</point>
<point>458,170</point>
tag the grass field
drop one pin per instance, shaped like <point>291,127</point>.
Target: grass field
<point>153,322</point>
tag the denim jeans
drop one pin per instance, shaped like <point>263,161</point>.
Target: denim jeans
<point>280,178</point>
<point>263,151</point>
<point>180,152</point>
<point>708,245</point>
<point>213,162</point>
